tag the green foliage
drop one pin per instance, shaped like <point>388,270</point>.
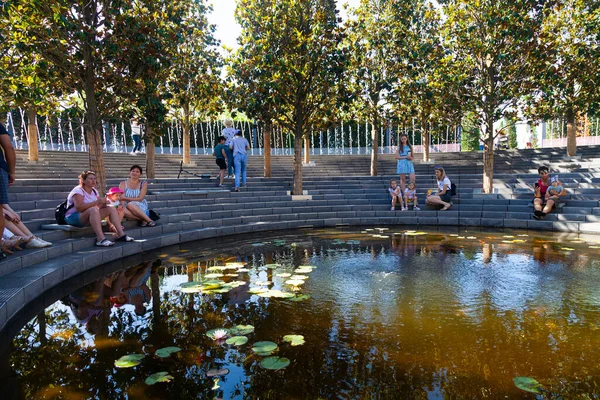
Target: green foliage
<point>512,137</point>
<point>470,134</point>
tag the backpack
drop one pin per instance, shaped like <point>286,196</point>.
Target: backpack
<point>60,212</point>
<point>452,189</point>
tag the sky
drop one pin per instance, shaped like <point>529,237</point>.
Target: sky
<point>228,30</point>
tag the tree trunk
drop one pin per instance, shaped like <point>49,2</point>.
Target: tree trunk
<point>425,139</point>
<point>375,146</point>
<point>32,137</point>
<point>93,129</point>
<point>267,148</point>
<point>186,135</point>
<point>149,139</point>
<point>488,157</point>
<point>298,160</point>
<point>306,150</point>
<point>571,133</point>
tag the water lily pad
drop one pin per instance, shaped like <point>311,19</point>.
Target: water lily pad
<point>257,290</point>
<point>217,372</point>
<point>167,351</point>
<point>528,384</point>
<point>272,266</point>
<point>216,268</point>
<point>594,247</point>
<point>295,282</point>
<point>262,283</point>
<point>158,377</point>
<point>302,277</point>
<point>192,289</point>
<point>241,330</point>
<point>300,297</point>
<point>235,264</point>
<point>237,340</point>
<point>471,237</point>
<point>567,249</point>
<point>264,347</point>
<point>128,361</point>
<point>213,275</point>
<point>221,290</point>
<point>191,284</point>
<point>218,333</point>
<point>275,363</point>
<point>276,293</point>
<point>284,275</point>
<point>235,284</point>
<point>243,270</point>
<point>307,266</point>
<point>294,340</point>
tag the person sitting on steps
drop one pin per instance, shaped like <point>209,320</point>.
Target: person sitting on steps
<point>135,189</point>
<point>542,203</point>
<point>85,207</point>
<point>442,197</point>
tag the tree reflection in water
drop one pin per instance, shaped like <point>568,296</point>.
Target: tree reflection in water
<point>409,316</point>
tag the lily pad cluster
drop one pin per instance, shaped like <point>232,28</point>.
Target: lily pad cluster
<point>132,360</point>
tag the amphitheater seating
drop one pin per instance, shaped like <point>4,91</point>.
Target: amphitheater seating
<point>340,194</point>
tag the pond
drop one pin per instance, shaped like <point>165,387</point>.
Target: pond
<point>328,314</point>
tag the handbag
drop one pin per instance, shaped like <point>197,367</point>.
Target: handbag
<point>61,211</point>
<point>154,215</point>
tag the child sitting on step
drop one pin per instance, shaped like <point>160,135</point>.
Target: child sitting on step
<point>113,199</point>
<point>396,194</point>
<point>555,190</point>
<point>410,196</point>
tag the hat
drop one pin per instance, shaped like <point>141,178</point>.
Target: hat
<point>114,190</point>
<point>554,179</point>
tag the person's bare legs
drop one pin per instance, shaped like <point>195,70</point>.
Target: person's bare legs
<point>436,200</point>
<point>92,217</point>
<point>402,183</point>
<point>138,213</point>
<point>394,202</point>
<point>112,214</point>
<point>537,204</point>
<point>221,176</point>
<point>19,229</point>
<point>548,206</point>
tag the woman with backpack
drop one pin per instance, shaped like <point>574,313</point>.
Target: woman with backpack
<point>443,196</point>
<point>85,207</point>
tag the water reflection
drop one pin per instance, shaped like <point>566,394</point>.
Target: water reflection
<point>398,315</point>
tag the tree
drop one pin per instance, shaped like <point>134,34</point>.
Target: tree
<point>299,62</point>
<point>144,47</point>
<point>567,85</point>
<point>496,43</point>
<point>74,36</point>
<point>195,82</point>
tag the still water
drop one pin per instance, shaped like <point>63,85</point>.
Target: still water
<point>378,314</point>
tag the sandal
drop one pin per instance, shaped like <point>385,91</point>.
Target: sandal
<point>124,238</point>
<point>13,243</point>
<point>143,223</point>
<point>151,223</point>
<point>104,243</point>
<point>445,207</point>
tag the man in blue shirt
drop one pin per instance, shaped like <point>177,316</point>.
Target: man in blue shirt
<point>7,169</point>
<point>239,147</point>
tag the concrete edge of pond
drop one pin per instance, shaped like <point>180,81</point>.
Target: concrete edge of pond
<point>30,284</point>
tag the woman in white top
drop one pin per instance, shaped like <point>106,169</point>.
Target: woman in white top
<point>86,208</point>
<point>442,197</point>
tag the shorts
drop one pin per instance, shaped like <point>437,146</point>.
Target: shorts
<point>74,220</point>
<point>446,198</point>
<point>221,163</point>
<point>3,186</point>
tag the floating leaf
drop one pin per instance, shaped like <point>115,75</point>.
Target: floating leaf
<point>128,361</point>
<point>232,275</point>
<point>216,268</point>
<point>221,290</point>
<point>213,275</point>
<point>294,340</point>
<point>237,283</point>
<point>264,347</point>
<point>272,266</point>
<point>594,247</point>
<point>158,377</point>
<point>217,372</point>
<point>307,266</point>
<point>235,264</point>
<point>166,351</point>
<point>237,340</point>
<point>471,237</point>
<point>284,275</point>
<point>303,271</point>
<point>275,363</point>
<point>528,384</point>
<point>243,270</point>
<point>263,283</point>
<point>242,330</point>
<point>567,249</point>
<point>508,236</point>
<point>276,293</point>
<point>302,277</point>
<point>257,290</point>
<point>218,333</point>
<point>295,282</point>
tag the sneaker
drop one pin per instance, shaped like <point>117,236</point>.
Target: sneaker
<point>104,243</point>
<point>37,243</point>
<point>132,154</point>
<point>416,208</point>
<point>392,208</point>
<point>404,208</point>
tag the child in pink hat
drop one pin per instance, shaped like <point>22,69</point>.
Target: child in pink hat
<point>113,198</point>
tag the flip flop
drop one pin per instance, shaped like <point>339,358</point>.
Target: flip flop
<point>151,223</point>
<point>143,223</point>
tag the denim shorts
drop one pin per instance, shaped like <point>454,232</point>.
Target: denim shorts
<point>74,220</point>
<point>447,197</point>
<point>3,186</point>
